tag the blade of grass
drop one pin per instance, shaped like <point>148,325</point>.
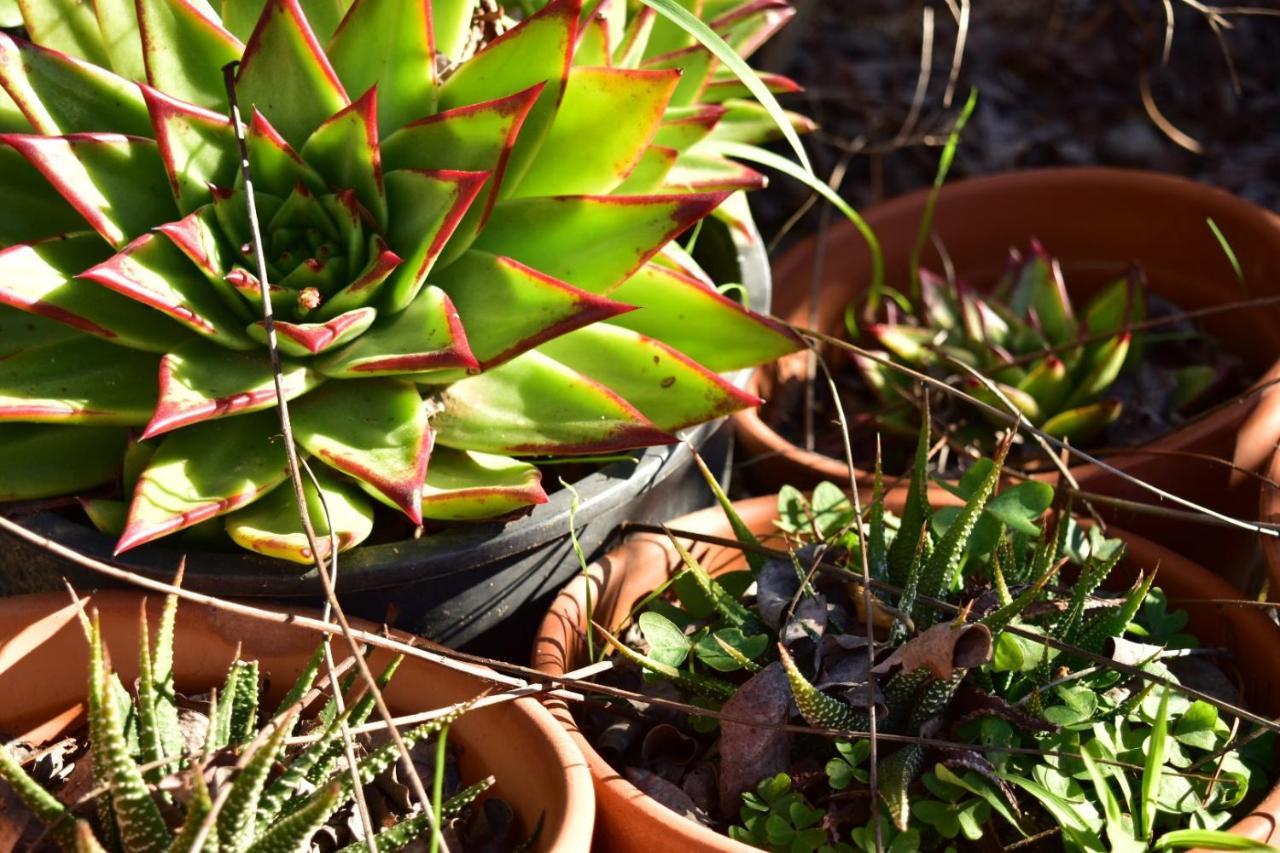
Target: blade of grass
<point>754,154</point>
<point>707,37</point>
<point>1156,748</point>
<point>944,166</point>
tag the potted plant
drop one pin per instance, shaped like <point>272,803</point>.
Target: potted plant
<point>269,687</point>
<point>1097,224</point>
<point>960,612</point>
<point>470,260</point>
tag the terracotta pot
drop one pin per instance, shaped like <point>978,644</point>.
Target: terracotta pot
<point>1095,221</point>
<point>627,820</point>
<point>1269,511</point>
<point>44,667</point>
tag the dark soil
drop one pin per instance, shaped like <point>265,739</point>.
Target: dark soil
<point>1059,82</point>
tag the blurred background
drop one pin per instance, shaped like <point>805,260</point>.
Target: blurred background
<point>1177,86</point>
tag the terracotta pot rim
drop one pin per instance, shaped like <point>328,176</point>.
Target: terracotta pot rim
<point>637,557</point>
<point>565,828</point>
<point>758,436</point>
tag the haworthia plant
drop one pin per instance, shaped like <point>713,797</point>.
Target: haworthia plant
<point>275,800</point>
<point>468,235</point>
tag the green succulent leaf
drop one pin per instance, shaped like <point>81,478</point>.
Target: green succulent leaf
<point>403,66</point>
<point>426,336</point>
<point>667,387</point>
<point>374,430</point>
<point>592,242</point>
<point>84,380</point>
<point>117,183</point>
<point>197,145</point>
<point>537,52</point>
<point>272,526</point>
<point>155,272</point>
<point>60,94</point>
<point>41,460</point>
<point>67,26</point>
<point>193,72</point>
<point>30,209</point>
<point>344,150</point>
<point>618,110</point>
<point>285,74</point>
<point>200,381</point>
<point>465,485</point>
<point>203,471</point>
<point>699,321</point>
<point>511,308</point>
<point>535,405</point>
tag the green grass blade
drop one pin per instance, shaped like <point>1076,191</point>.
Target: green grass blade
<point>1209,839</point>
<point>1153,767</point>
<point>755,558</point>
<point>754,154</point>
<point>944,166</point>
<point>708,38</point>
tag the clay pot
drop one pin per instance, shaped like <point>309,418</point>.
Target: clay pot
<point>1269,511</point>
<point>1095,221</point>
<point>627,820</point>
<point>44,671</point>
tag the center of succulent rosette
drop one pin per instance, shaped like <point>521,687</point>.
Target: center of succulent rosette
<point>316,247</point>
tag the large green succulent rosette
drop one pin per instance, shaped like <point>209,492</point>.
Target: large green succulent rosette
<point>468,224</point>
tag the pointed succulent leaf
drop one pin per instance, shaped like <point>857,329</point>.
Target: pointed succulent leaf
<point>141,826</point>
<point>895,775</point>
<point>39,460</point>
<point>67,26</point>
<point>404,832</point>
<point>1048,383</point>
<point>666,386</point>
<point>732,611</point>
<point>725,85</point>
<point>403,64</point>
<point>121,37</point>
<point>185,48</point>
<point>21,331</point>
<point>509,308</point>
<point>198,147</point>
<point>649,175</point>
<point>695,64</point>
<point>1117,306</point>
<point>30,209</point>
<point>151,748</point>
<point>686,126</point>
<point>533,405</point>
<point>344,150</point>
<point>45,806</point>
<point>1039,287</point>
<point>155,272</point>
<point>200,381</point>
<point>425,208</point>
<point>700,322</point>
<point>277,167</point>
<point>592,242</point>
<point>425,336</point>
<point>619,110</point>
<point>272,526</point>
<point>915,512</point>
<point>634,43</point>
<point>198,809</point>
<point>464,485</point>
<point>117,183</point>
<point>1084,423</point>
<point>701,172</point>
<point>60,94</point>
<point>294,831</point>
<point>374,430</point>
<point>1102,365</point>
<point>204,471</point>
<point>939,572</point>
<point>538,51</point>
<point>306,339</point>
<point>476,138</point>
<point>817,708</point>
<point>286,75</point>
<point>751,123</point>
<point>235,822</point>
<point>84,380</point>
<point>705,686</point>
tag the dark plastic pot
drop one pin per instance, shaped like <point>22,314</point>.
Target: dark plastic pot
<point>456,584</point>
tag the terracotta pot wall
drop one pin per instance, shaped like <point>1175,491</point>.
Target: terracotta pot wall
<point>44,668</point>
<point>629,821</point>
<point>1095,221</point>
